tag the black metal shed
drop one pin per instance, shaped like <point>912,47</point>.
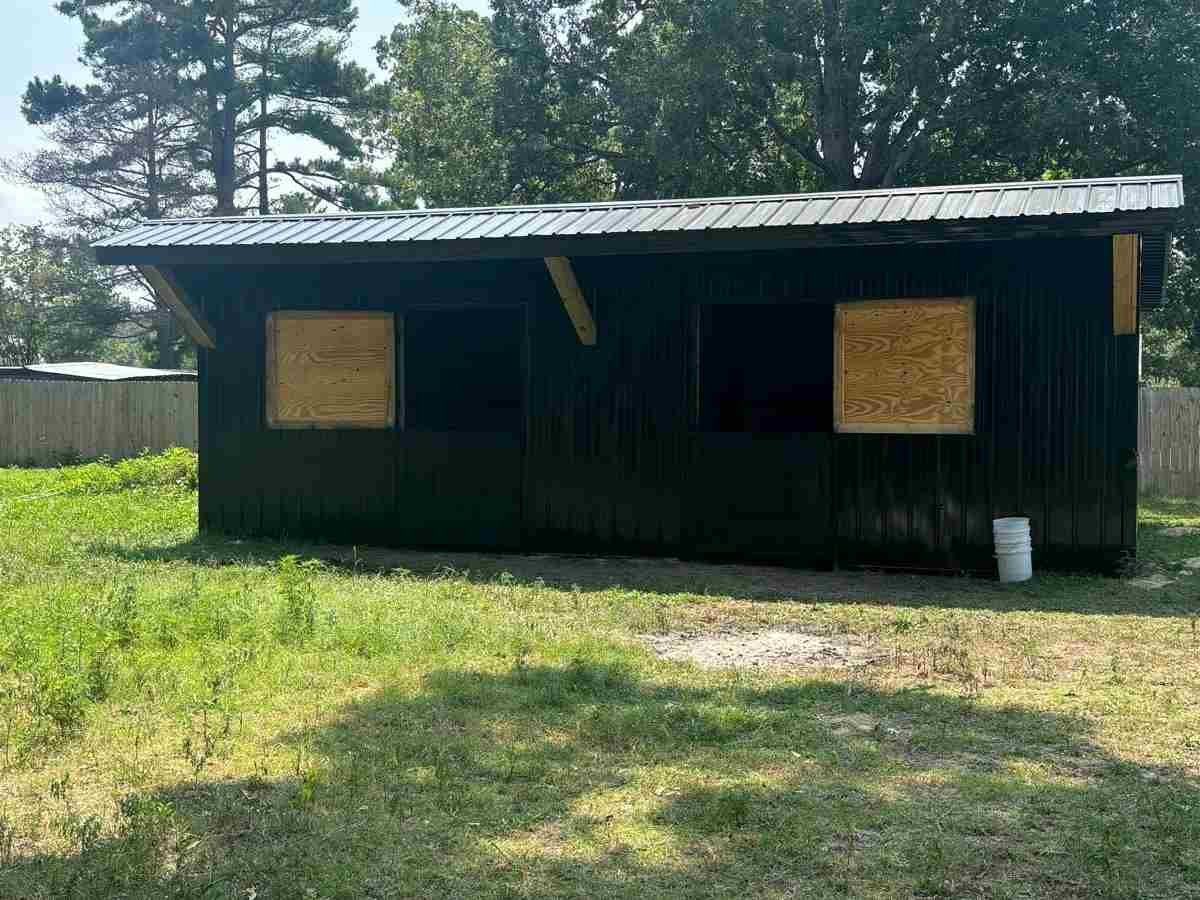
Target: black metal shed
<point>857,378</point>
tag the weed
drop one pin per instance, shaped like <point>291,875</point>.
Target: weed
<point>203,740</point>
<point>8,842</point>
<point>306,789</point>
<point>1116,670</point>
<point>297,617</point>
<point>119,613</point>
<point>99,672</point>
<point>145,826</point>
<point>166,631</point>
<point>57,696</point>
<point>81,832</point>
<point>951,654</point>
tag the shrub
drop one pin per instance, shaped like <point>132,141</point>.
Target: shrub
<point>174,468</point>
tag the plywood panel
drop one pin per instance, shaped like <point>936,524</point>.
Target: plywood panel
<point>1125,282</point>
<point>905,366</point>
<point>330,369</point>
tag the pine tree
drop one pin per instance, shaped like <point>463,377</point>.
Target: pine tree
<point>124,147</point>
<point>237,71</point>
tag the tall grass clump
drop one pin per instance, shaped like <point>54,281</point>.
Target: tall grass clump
<point>296,618</point>
<point>54,665</point>
<point>176,468</point>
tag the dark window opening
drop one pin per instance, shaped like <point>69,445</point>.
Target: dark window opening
<point>463,369</point>
<point>765,368</point>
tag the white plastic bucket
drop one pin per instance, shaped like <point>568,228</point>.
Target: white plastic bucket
<point>1011,526</point>
<point>1014,550</point>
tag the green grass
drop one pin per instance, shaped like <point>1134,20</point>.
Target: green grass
<point>200,717</point>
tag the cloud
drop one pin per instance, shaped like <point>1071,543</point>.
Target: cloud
<point>21,205</point>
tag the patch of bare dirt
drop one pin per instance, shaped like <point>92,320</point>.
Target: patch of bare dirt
<point>1181,531</point>
<point>772,648</point>
<point>741,581</point>
<point>1151,582</point>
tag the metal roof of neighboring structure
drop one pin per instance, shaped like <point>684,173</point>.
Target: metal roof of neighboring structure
<point>93,371</point>
<point>893,215</point>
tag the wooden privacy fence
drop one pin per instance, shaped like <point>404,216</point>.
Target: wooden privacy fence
<point>44,422</point>
<point>1169,441</point>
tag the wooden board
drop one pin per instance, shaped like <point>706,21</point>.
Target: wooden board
<point>331,370</point>
<point>168,291</point>
<point>903,366</point>
<point>1125,283</point>
<point>563,276</point>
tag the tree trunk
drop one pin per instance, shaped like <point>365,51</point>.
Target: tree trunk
<point>217,141</point>
<point>224,124</point>
<point>153,206</point>
<point>264,199</point>
<point>264,92</point>
<point>228,131</point>
<point>166,336</point>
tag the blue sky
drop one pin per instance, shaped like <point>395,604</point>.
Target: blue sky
<point>39,41</point>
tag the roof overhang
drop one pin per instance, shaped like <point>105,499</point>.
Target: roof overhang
<point>626,243</point>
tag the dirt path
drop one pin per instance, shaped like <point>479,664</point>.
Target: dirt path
<point>751,582</point>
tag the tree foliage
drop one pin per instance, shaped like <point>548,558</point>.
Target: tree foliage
<point>55,303</point>
<point>124,148</point>
<point>436,125</point>
<point>650,98</point>
<point>596,99</point>
<point>675,97</point>
<point>177,118</point>
<point>223,75</point>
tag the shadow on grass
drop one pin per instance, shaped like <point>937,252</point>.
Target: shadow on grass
<point>1048,592</point>
<point>583,781</point>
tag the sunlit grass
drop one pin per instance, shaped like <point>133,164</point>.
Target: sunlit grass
<point>211,718</point>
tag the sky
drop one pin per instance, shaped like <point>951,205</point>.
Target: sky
<point>38,41</point>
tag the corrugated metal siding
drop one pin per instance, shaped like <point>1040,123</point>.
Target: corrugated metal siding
<point>1055,421</point>
<point>389,487</point>
<point>956,202</point>
<point>610,460</point>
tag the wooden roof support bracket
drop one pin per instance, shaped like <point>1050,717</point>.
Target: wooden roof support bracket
<point>572,298</point>
<point>171,294</point>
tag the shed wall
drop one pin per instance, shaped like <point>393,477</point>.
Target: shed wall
<point>611,458</point>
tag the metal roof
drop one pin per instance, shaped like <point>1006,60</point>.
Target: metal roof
<point>94,371</point>
<point>899,213</point>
